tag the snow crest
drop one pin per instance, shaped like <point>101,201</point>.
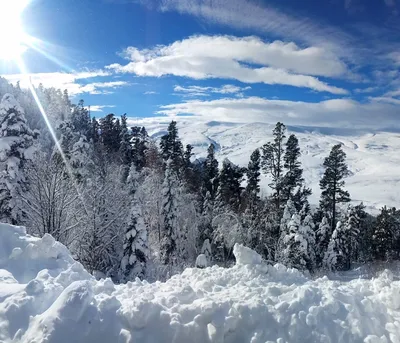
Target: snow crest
<point>45,296</point>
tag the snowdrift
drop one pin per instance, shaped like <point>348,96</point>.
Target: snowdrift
<point>45,296</point>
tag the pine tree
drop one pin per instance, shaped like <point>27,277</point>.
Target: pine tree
<point>323,236</point>
<point>273,163</point>
<point>210,173</point>
<point>253,177</point>
<point>382,239</point>
<point>332,183</point>
<point>206,251</point>
<point>191,178</point>
<point>295,253</point>
<point>169,238</point>
<point>307,230</point>
<point>125,148</point>
<point>110,129</point>
<point>354,220</point>
<point>135,247</point>
<point>17,147</point>
<point>172,148</point>
<point>288,213</point>
<point>337,254</point>
<point>230,189</point>
<point>141,144</point>
<point>293,182</point>
<point>80,119</point>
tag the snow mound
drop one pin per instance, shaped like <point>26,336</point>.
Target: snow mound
<point>45,296</point>
<point>244,255</point>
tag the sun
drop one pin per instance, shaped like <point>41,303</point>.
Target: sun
<point>13,40</point>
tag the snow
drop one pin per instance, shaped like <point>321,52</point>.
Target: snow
<point>372,156</point>
<point>244,255</point>
<point>201,261</point>
<point>45,296</point>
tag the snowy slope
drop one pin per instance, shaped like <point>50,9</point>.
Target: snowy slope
<point>373,157</point>
<point>46,297</point>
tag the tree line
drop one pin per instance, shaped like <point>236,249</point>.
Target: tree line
<point>128,206</point>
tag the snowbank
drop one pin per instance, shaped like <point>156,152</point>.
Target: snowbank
<point>47,297</point>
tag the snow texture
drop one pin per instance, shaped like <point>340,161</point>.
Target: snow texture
<point>47,297</point>
<point>372,156</point>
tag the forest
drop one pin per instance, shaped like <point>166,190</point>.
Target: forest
<point>130,206</point>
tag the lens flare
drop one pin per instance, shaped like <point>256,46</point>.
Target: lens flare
<point>13,40</point>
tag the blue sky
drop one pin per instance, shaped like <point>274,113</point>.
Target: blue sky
<point>313,62</point>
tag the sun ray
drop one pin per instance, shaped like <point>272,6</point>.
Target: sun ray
<point>22,68</point>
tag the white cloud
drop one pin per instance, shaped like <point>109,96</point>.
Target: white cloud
<point>386,99</point>
<point>70,81</point>
<point>334,112</point>
<point>205,91</point>
<point>253,15</point>
<point>102,87</point>
<point>248,60</point>
<point>394,93</point>
<point>150,92</point>
<point>99,108</point>
<point>366,90</point>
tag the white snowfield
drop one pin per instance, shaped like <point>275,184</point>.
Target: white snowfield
<point>47,297</point>
<point>372,156</point>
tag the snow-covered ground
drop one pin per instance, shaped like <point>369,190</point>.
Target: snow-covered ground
<point>373,157</point>
<point>47,297</point>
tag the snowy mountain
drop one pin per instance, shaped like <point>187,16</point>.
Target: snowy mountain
<point>373,157</point>
<point>48,297</point>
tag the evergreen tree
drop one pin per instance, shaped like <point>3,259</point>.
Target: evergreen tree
<point>298,244</point>
<point>323,236</point>
<point>210,173</point>
<point>169,238</point>
<point>135,247</point>
<point>307,231</point>
<point>354,222</point>
<point>332,183</point>
<point>141,144</point>
<point>288,213</point>
<point>172,148</point>
<point>80,119</point>
<point>382,239</point>
<point>125,148</point>
<point>253,177</point>
<point>16,149</point>
<point>191,178</point>
<point>95,131</point>
<point>337,254</point>
<point>293,181</point>
<point>110,129</point>
<point>230,189</point>
<point>273,163</point>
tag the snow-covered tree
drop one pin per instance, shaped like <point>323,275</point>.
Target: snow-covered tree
<point>16,149</point>
<point>51,201</point>
<point>105,205</point>
<point>170,208</point>
<point>288,213</point>
<point>135,247</point>
<point>323,236</point>
<point>294,245</point>
<point>307,231</point>
<point>337,254</point>
<point>382,239</point>
<point>206,251</point>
